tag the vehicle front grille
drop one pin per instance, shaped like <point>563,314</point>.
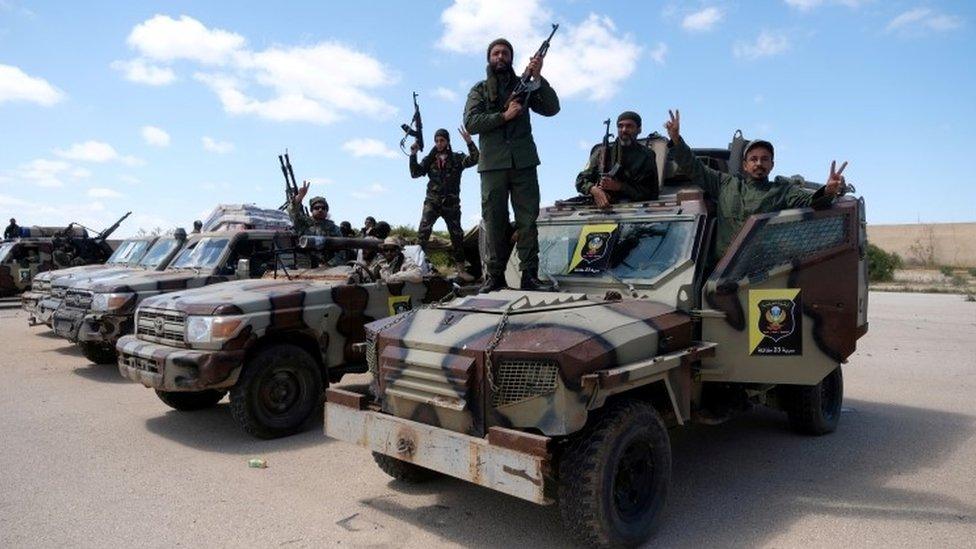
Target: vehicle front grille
<point>58,292</point>
<point>519,380</point>
<point>139,363</point>
<point>162,325</point>
<point>78,300</point>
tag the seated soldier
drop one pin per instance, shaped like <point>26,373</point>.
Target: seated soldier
<point>635,176</point>
<point>740,195</point>
<point>393,266</point>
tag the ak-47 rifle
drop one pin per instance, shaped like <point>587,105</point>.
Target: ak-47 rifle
<point>527,84</point>
<point>608,168</point>
<point>291,186</point>
<point>415,129</point>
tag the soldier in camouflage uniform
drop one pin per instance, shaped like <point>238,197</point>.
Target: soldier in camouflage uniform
<point>443,167</point>
<point>740,195</point>
<point>508,161</point>
<point>636,177</point>
<point>318,224</point>
<point>392,266</point>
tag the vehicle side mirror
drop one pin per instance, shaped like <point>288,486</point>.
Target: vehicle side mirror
<point>243,268</point>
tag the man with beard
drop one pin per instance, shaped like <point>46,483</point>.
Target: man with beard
<point>318,224</point>
<point>508,161</point>
<point>443,167</point>
<point>392,266</point>
<point>739,196</point>
<point>368,225</point>
<point>636,177</point>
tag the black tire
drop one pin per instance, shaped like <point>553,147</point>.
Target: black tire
<point>191,401</point>
<point>278,391</point>
<point>404,470</point>
<point>99,353</point>
<point>815,409</point>
<point>614,476</point>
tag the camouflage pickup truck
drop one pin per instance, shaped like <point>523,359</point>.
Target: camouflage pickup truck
<point>274,344</point>
<point>98,313</point>
<point>568,396</point>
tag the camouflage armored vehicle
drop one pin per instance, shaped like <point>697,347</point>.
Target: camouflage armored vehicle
<point>274,344</point>
<point>126,255</point>
<point>49,248</point>
<point>96,314</point>
<point>567,396</point>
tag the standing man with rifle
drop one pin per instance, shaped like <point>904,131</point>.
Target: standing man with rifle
<point>497,110</point>
<point>443,167</point>
<point>625,170</point>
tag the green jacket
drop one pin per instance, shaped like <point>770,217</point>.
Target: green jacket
<point>503,144</point>
<point>444,180</point>
<point>637,174</point>
<point>737,196</point>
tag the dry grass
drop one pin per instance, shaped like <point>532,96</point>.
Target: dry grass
<point>930,281</point>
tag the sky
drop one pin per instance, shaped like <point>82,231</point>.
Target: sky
<point>169,109</point>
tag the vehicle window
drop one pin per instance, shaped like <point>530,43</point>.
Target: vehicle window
<point>5,250</point>
<point>205,253</point>
<point>160,250</point>
<point>641,250</point>
<point>136,252</point>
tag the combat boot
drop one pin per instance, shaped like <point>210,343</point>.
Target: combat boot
<point>462,273</point>
<point>530,281</point>
<point>492,283</point>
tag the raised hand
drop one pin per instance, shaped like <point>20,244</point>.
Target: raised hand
<point>414,148</point>
<point>302,191</point>
<point>535,67</point>
<point>464,133</point>
<point>835,181</point>
<point>674,124</point>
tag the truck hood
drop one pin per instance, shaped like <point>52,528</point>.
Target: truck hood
<point>70,271</point>
<point>167,281</point>
<point>81,279</point>
<point>237,296</point>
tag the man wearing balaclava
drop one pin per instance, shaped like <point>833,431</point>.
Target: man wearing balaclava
<point>508,161</point>
<point>627,171</point>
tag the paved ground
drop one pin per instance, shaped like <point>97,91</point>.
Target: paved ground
<point>87,459</point>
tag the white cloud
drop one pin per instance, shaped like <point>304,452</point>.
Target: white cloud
<point>139,71</point>
<point>589,59</point>
<point>96,151</point>
<point>766,44</point>
<point>369,192</point>
<point>318,83</point>
<point>362,147</point>
<point>703,20</point>
<point>320,181</point>
<point>446,94</point>
<point>214,146</point>
<point>659,53</point>
<point>16,85</point>
<point>47,173</point>
<point>102,192</point>
<point>807,5</point>
<point>919,20</point>
<point>163,38</point>
<point>130,179</point>
<point>154,136</point>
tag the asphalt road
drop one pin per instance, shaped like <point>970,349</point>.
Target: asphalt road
<point>87,459</point>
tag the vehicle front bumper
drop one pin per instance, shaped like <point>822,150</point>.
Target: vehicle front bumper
<point>45,310</point>
<point>168,368</point>
<point>29,302</point>
<point>66,322</point>
<point>509,461</point>
<point>104,328</point>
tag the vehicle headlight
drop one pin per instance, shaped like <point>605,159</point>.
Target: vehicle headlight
<point>110,302</point>
<point>211,329</point>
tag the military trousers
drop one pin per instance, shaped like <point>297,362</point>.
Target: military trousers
<point>521,186</point>
<point>449,208</point>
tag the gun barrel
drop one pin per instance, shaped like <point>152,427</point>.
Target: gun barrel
<point>331,243</point>
<point>107,232</point>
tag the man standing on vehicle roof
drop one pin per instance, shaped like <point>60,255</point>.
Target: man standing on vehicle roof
<point>739,196</point>
<point>443,168</point>
<point>508,161</point>
<point>636,175</point>
<point>12,230</point>
<point>197,227</point>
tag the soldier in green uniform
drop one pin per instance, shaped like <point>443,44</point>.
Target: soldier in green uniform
<point>443,168</point>
<point>318,224</point>
<point>508,161</point>
<point>740,195</point>
<point>636,175</point>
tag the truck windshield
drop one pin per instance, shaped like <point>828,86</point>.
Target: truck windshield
<point>615,251</point>
<point>129,252</point>
<point>159,252</point>
<point>205,254</point>
<point>5,250</point>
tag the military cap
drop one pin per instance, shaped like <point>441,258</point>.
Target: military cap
<point>391,242</point>
<point>442,133</point>
<point>316,199</point>
<point>503,42</point>
<point>759,143</point>
<point>630,115</point>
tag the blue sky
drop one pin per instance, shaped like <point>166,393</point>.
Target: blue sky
<point>168,109</point>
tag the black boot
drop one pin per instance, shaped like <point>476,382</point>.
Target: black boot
<point>530,281</point>
<point>492,282</point>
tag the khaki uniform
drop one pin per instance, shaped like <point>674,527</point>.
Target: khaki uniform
<point>508,165</point>
<point>637,174</point>
<point>401,269</point>
<point>443,197</point>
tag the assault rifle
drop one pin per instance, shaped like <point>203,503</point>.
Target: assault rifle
<point>527,84</point>
<point>291,187</point>
<point>608,168</point>
<point>415,129</point>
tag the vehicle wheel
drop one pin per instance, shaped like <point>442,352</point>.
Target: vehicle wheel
<point>404,470</point>
<point>815,409</point>
<point>279,389</point>
<point>614,476</point>
<point>98,353</point>
<point>191,401</point>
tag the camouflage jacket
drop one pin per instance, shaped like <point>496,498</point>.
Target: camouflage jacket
<point>637,175</point>
<point>737,196</point>
<point>401,269</point>
<point>307,225</point>
<point>503,144</point>
<point>445,176</point>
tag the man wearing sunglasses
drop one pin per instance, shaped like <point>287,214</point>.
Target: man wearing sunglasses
<point>633,171</point>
